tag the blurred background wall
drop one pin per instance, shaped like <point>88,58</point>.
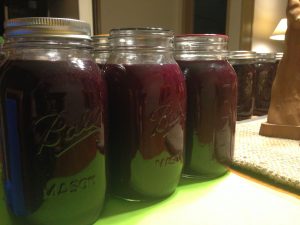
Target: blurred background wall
<point>249,23</point>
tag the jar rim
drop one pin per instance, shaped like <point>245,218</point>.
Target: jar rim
<point>100,36</point>
<point>201,42</point>
<point>202,35</point>
<point>242,54</point>
<point>101,40</point>
<point>279,55</point>
<point>130,31</point>
<point>142,38</point>
<point>266,55</point>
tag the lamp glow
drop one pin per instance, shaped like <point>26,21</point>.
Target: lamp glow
<point>279,32</point>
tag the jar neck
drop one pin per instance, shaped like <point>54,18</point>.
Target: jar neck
<point>261,60</point>
<point>144,44</point>
<point>101,43</point>
<point>46,42</point>
<point>241,61</point>
<point>43,48</point>
<point>200,55</point>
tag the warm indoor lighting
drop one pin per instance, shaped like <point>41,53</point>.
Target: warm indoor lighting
<point>279,32</point>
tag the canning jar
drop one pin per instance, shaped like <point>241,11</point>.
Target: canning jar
<point>52,123</point>
<point>243,63</point>
<point>147,100</point>
<point>211,103</point>
<point>101,49</point>
<point>265,74</point>
<point>2,55</point>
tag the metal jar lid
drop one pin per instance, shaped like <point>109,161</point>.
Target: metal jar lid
<point>47,27</point>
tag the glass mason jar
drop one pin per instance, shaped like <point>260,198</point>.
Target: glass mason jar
<point>265,74</point>
<point>147,100</point>
<point>101,49</point>
<point>53,102</point>
<point>243,63</point>
<point>2,55</point>
<point>211,103</point>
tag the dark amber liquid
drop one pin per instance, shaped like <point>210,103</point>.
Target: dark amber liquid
<point>146,123</point>
<point>53,131</point>
<point>245,74</point>
<point>211,116</point>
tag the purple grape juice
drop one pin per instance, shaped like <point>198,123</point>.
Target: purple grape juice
<point>243,63</point>
<point>53,133</point>
<point>211,115</point>
<point>146,129</point>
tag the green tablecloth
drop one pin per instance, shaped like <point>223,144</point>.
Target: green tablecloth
<point>230,199</point>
